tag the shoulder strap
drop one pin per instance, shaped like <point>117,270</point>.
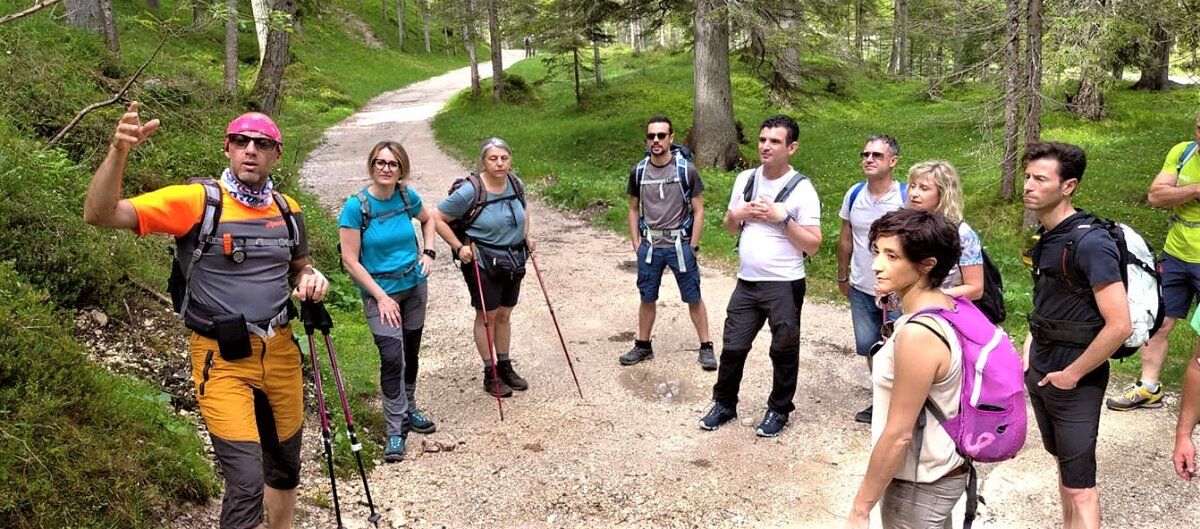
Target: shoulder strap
<point>681,166</point>
<point>904,191</point>
<point>518,187</point>
<point>477,200</point>
<point>364,207</point>
<point>204,237</point>
<point>854,191</point>
<point>402,188</point>
<point>790,186</point>
<point>289,220</point>
<point>748,191</point>
<point>931,329</point>
<point>1185,156</point>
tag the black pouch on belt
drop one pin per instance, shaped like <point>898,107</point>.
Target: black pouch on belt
<point>233,338</point>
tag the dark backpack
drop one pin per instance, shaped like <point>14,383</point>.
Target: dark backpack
<point>679,149</point>
<point>480,201</point>
<point>682,161</point>
<point>1143,285</point>
<point>991,303</point>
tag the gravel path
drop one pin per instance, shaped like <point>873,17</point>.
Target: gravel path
<point>629,454</point>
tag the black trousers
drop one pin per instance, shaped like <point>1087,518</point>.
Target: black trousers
<point>752,304</point>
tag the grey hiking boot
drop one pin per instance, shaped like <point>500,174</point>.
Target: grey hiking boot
<point>635,355</point>
<point>707,359</point>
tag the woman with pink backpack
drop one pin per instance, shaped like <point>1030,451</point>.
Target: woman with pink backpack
<point>949,381</point>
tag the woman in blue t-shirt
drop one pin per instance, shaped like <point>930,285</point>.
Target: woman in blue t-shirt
<point>381,252</point>
<point>499,240</point>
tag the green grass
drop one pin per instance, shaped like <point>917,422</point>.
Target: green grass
<point>581,154</point>
<point>80,447</point>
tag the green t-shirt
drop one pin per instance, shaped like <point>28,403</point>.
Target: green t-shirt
<point>1183,241</point>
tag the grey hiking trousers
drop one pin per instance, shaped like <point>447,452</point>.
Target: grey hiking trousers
<point>398,354</point>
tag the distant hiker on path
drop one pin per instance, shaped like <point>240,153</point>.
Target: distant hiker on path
<point>381,252</point>
<point>777,213</point>
<point>666,220</point>
<point>1066,356</point>
<point>485,220</point>
<point>528,46</point>
<point>241,247</point>
<point>1177,186</point>
<point>863,203</point>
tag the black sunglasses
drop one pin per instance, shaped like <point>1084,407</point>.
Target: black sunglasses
<point>657,135</point>
<point>263,144</point>
<point>869,154</point>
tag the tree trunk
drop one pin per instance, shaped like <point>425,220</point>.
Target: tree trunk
<point>198,9</point>
<point>714,135</point>
<point>1156,68</point>
<point>84,14</point>
<point>894,59</point>
<point>261,10</point>
<point>905,46</point>
<point>497,59</point>
<point>1033,72</point>
<point>858,28</point>
<point>635,33</point>
<point>425,24</point>
<point>469,42</point>
<point>231,39</point>
<point>268,86</point>
<point>596,59</point>
<point>400,24</point>
<point>109,26</point>
<point>1012,97</point>
<point>578,94</point>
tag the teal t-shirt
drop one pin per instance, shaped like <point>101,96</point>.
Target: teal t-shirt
<point>499,224</point>
<point>390,243</point>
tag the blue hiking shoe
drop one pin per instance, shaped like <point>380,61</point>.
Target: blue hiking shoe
<point>771,424</point>
<point>719,414</point>
<point>419,423</point>
<point>395,449</point>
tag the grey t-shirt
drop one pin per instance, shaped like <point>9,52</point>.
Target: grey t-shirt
<point>663,205</point>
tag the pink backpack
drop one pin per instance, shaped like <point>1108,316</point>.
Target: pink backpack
<point>991,421</point>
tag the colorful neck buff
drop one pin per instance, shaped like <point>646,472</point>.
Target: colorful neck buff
<point>242,193</point>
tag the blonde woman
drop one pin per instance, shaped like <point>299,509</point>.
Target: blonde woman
<point>934,186</point>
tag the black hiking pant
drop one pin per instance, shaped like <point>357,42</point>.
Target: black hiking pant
<point>752,304</point>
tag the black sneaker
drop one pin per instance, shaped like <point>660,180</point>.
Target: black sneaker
<point>865,415</point>
<point>719,414</point>
<point>771,424</point>
<point>635,355</point>
<point>510,377</point>
<point>495,386</point>
<point>708,360</point>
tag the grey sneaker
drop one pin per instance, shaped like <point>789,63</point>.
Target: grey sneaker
<point>635,355</point>
<point>708,360</point>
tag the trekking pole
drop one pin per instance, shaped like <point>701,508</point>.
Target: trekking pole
<point>554,318</point>
<point>307,318</point>
<point>324,323</point>
<point>487,329</point>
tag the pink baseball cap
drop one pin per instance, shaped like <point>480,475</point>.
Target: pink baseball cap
<point>255,122</point>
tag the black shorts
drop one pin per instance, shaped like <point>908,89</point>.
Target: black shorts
<point>500,289</point>
<point>1070,421</point>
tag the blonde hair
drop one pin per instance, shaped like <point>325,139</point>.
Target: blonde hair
<point>397,150</point>
<point>945,177</point>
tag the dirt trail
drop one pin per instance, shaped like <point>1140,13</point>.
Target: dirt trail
<point>630,454</point>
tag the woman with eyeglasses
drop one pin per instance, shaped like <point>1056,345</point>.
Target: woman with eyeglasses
<point>380,250</point>
<point>919,365</point>
<point>935,186</point>
<point>485,222</point>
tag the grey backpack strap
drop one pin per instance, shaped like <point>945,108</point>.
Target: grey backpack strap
<point>204,237</point>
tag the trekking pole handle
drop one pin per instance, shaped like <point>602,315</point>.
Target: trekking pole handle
<point>314,316</point>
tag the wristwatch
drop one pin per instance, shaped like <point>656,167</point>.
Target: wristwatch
<point>783,223</point>
<point>696,249</point>
<point>429,251</point>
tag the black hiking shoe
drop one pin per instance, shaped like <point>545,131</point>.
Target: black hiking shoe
<point>510,377</point>
<point>717,415</point>
<point>495,386</point>
<point>708,360</point>
<point>635,355</point>
<point>865,415</point>
<point>771,424</point>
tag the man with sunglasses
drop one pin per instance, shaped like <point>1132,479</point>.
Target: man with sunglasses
<point>863,204</point>
<point>666,219</point>
<point>245,362</point>
<point>1177,186</point>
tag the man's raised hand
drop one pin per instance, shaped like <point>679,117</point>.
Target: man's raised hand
<point>131,131</point>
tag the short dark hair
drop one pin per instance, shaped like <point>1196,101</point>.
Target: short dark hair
<point>893,146</point>
<point>783,122</point>
<point>1071,159</point>
<point>662,119</point>
<point>922,234</point>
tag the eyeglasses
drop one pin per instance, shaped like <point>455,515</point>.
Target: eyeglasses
<point>263,144</point>
<point>867,155</point>
<point>380,164</point>
<point>657,135</point>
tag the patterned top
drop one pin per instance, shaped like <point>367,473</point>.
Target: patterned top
<point>972,254</point>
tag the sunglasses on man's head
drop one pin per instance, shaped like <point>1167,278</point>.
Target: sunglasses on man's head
<point>871,154</point>
<point>380,164</point>
<point>657,135</point>
<point>263,144</point>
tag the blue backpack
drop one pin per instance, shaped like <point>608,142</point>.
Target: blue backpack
<point>859,187</point>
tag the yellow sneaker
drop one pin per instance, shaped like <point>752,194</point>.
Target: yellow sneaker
<point>1135,396</point>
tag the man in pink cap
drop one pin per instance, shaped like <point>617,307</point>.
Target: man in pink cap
<point>241,248</point>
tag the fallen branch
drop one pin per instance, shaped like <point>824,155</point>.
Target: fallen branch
<point>153,292</point>
<point>22,14</point>
<point>116,98</point>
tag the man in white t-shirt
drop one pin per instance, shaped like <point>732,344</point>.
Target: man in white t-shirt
<point>777,214</point>
<point>863,204</point>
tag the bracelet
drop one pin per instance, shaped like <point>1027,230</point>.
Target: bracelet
<point>429,251</point>
<point>843,279</point>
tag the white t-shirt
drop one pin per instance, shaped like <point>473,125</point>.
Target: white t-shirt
<point>765,252</point>
<point>866,210</point>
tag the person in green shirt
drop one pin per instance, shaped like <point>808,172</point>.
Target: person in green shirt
<point>1177,187</point>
